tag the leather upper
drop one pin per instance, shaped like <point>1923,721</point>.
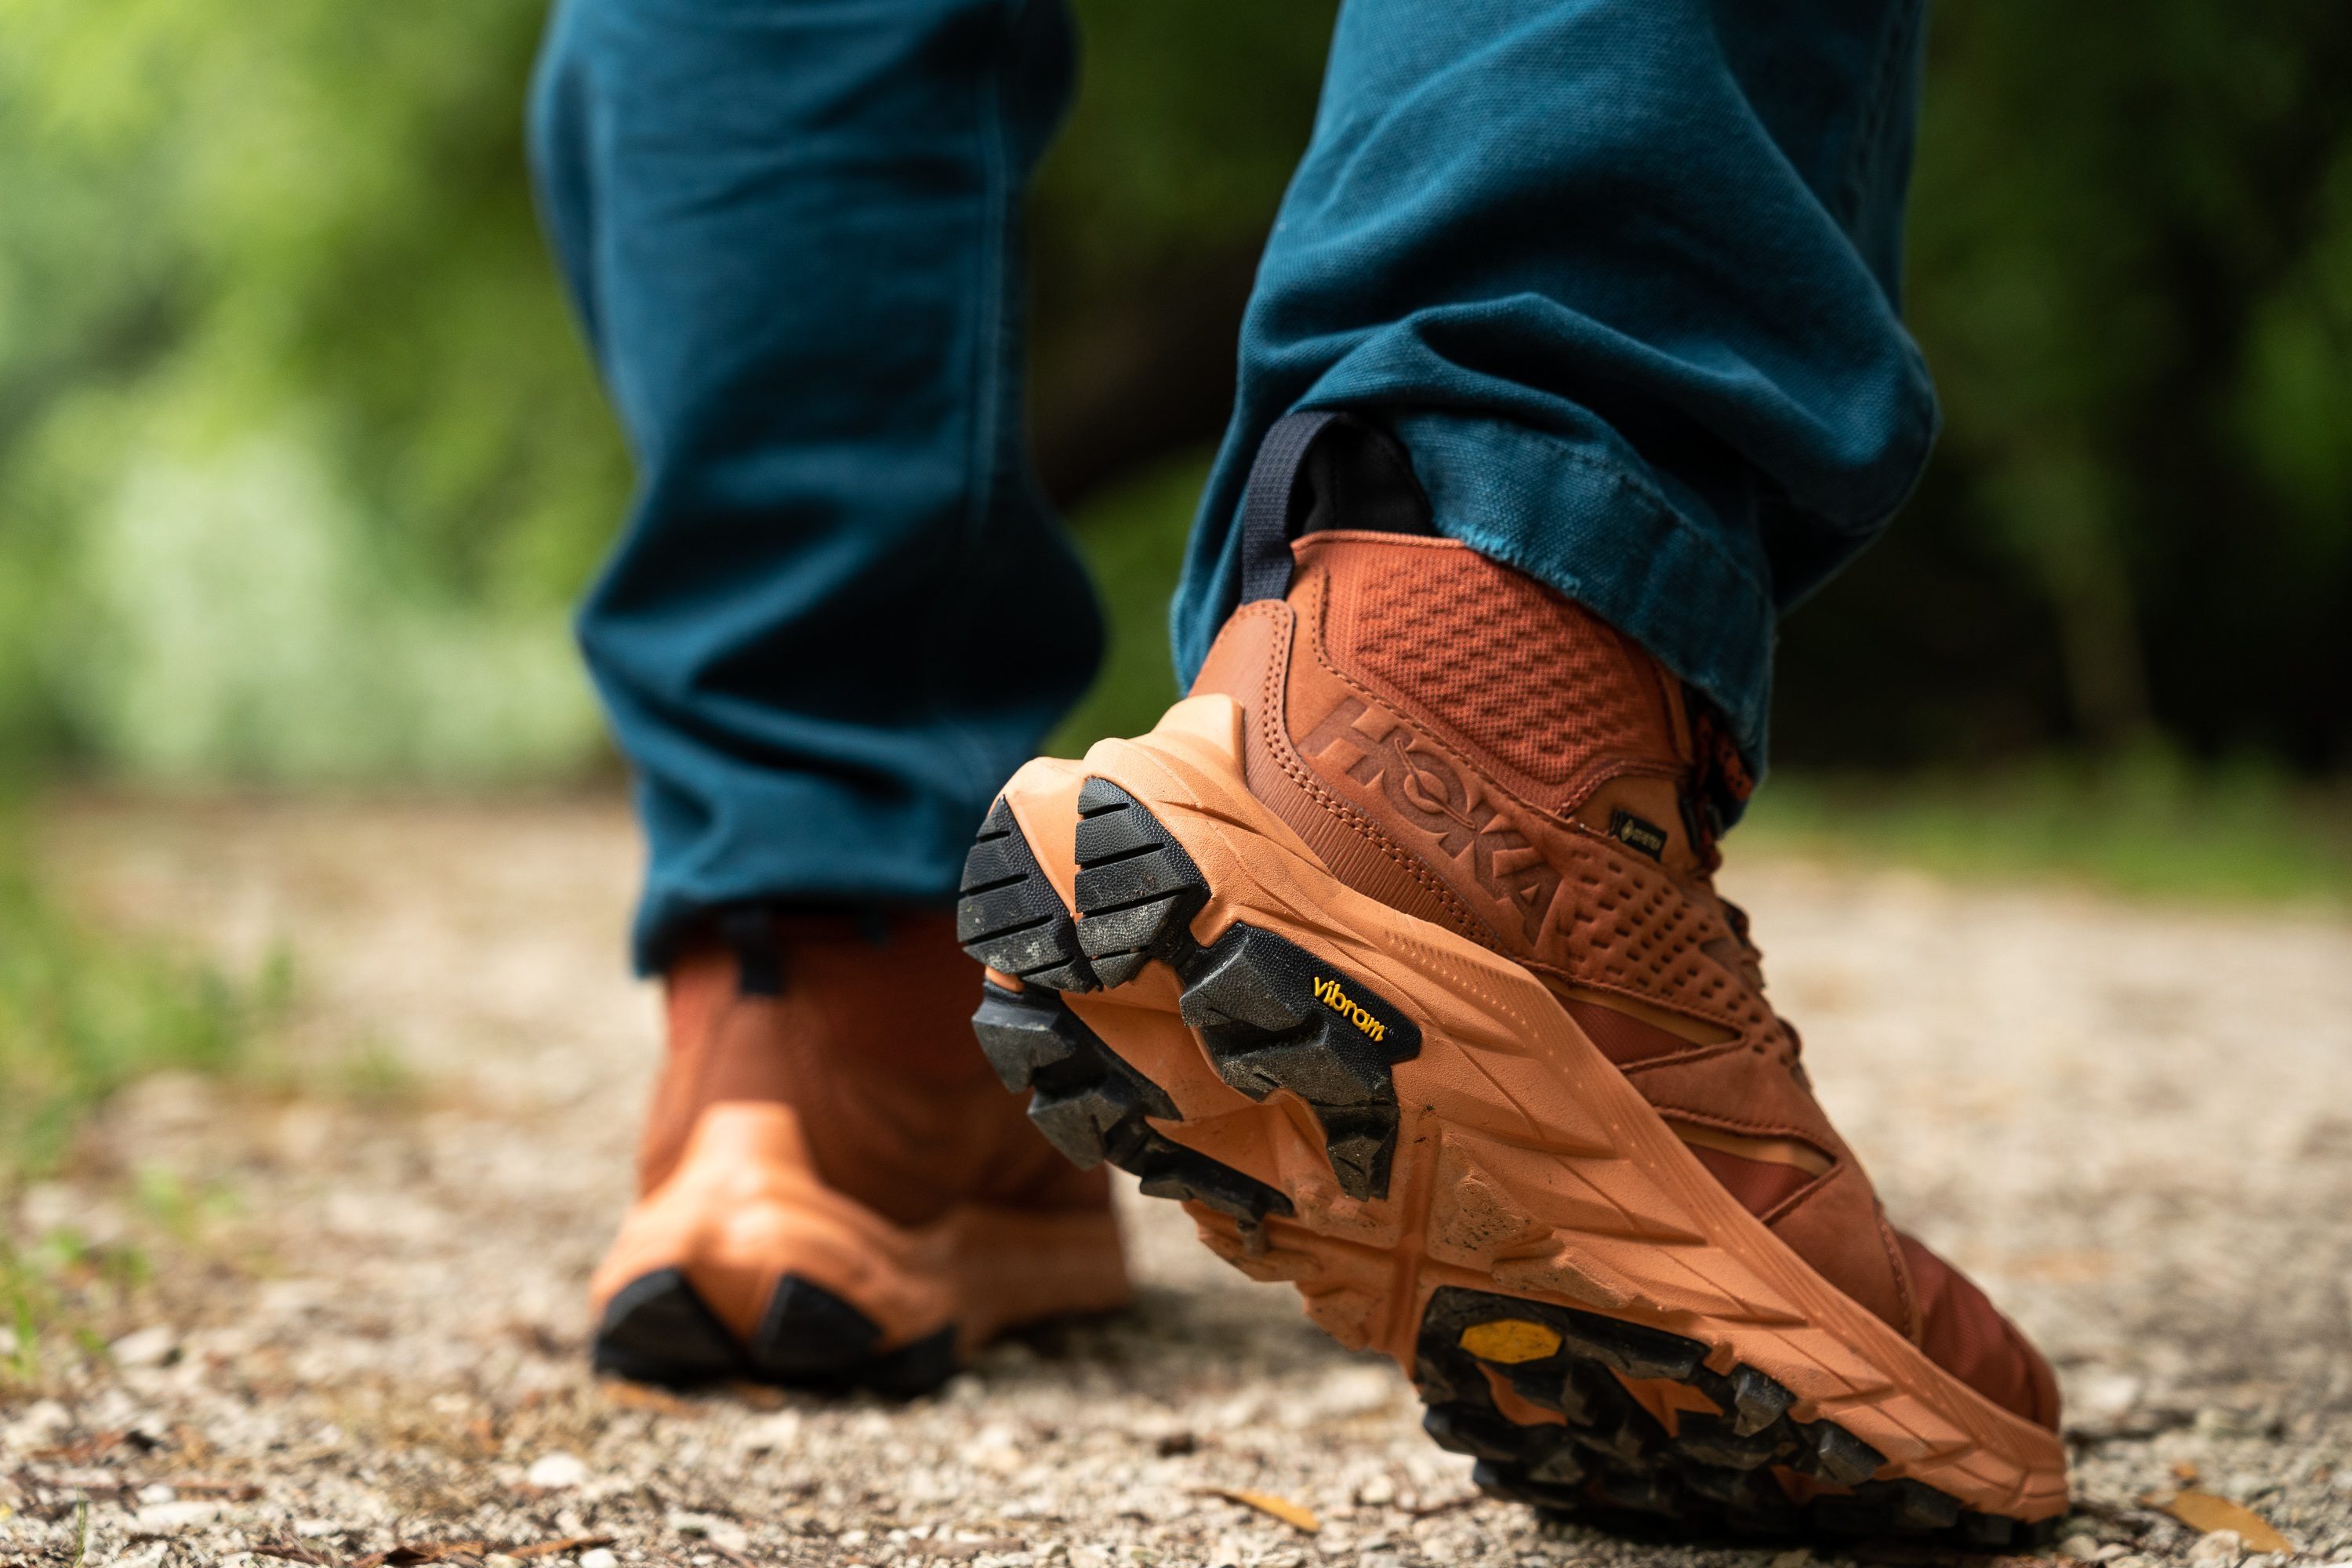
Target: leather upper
<point>868,1038</point>
<point>1462,743</point>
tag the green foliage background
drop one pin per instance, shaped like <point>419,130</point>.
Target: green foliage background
<point>300,463</point>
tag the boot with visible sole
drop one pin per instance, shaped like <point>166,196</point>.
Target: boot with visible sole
<point>1393,953</point>
<point>835,1193</point>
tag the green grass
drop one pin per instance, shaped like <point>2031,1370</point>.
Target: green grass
<point>2145,824</point>
<point>84,1012</point>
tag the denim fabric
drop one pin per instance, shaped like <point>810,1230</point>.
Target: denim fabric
<point>1621,274</point>
<point>789,227</point>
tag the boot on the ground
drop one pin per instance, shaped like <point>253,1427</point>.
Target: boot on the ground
<point>1394,950</point>
<point>833,1190</point>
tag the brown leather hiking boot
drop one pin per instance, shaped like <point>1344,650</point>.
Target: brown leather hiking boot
<point>1394,952</point>
<point>833,1189</point>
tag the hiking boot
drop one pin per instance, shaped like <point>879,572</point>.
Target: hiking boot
<point>1394,953</point>
<point>833,1190</point>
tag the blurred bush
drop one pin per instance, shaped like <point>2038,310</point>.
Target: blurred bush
<point>300,463</point>
<point>2131,269</point>
<point>300,460</point>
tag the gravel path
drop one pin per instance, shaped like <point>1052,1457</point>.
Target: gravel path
<point>364,1326</point>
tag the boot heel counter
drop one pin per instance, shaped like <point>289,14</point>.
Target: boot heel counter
<point>1254,661</point>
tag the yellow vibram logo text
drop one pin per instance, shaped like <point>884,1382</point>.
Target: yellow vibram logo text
<point>1327,992</point>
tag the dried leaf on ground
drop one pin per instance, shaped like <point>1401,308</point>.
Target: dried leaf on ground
<point>756,1395</point>
<point>2205,1513</point>
<point>228,1491</point>
<point>638,1396</point>
<point>1443,1505</point>
<point>1296,1515</point>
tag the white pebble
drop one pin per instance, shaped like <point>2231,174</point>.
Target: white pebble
<point>558,1471</point>
<point>2222,1549</point>
<point>162,1518</point>
<point>149,1347</point>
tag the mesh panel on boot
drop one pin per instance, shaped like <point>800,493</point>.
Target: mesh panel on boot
<point>1517,672</point>
<point>1629,926</point>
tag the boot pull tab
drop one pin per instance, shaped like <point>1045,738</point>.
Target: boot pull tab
<point>750,929</point>
<point>1317,469</point>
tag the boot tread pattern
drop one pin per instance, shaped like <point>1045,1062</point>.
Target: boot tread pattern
<point>1091,1105</point>
<point>1602,1450</point>
<point>1271,1016</point>
<point>657,1328</point>
<point>1009,917</point>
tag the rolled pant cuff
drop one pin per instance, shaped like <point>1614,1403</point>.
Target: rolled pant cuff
<point>1598,527</point>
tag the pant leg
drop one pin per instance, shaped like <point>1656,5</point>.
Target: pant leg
<point>1623,274</point>
<point>789,229</point>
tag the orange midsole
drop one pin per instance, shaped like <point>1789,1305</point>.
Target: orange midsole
<point>1525,1163</point>
<point>745,1207</point>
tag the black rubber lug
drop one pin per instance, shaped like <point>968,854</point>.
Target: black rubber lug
<point>1614,1460</point>
<point>1008,915</point>
<point>656,1329</point>
<point>1137,891</point>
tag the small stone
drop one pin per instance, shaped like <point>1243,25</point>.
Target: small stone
<point>558,1471</point>
<point>162,1518</point>
<point>723,1533</point>
<point>156,1491</point>
<point>2215,1422</point>
<point>40,1426</point>
<point>1353,1391</point>
<point>1089,1557</point>
<point>2103,1398</point>
<point>1797,1558</point>
<point>500,1560</point>
<point>2222,1549</point>
<point>599,1557</point>
<point>153,1346</point>
<point>770,1434</point>
<point>1001,1459</point>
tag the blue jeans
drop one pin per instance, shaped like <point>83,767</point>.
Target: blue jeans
<point>1621,274</point>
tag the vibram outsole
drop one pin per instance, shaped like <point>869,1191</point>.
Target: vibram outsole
<point>658,1329</point>
<point>1411,1129</point>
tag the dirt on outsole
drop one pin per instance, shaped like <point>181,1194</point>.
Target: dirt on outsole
<point>363,1333</point>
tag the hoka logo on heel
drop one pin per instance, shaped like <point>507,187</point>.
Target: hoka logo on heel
<point>1327,992</point>
<point>1428,791</point>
